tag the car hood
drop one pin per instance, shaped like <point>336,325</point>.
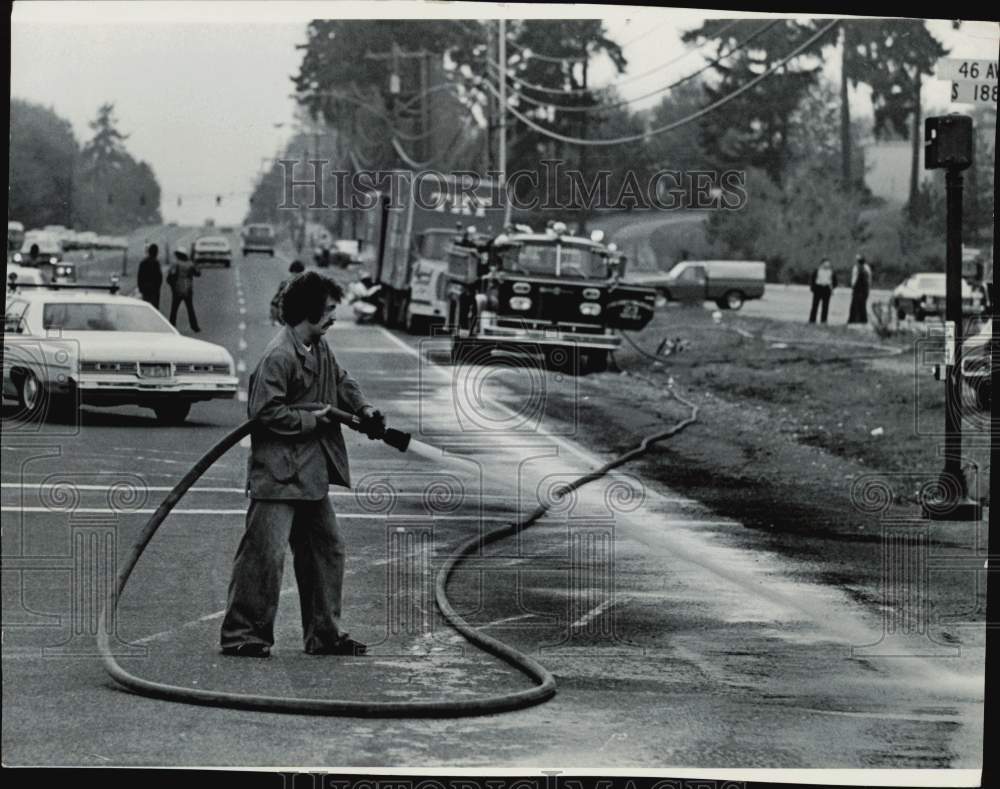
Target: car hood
<point>936,292</point>
<point>146,347</point>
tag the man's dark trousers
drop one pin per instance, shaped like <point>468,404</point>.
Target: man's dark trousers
<point>310,527</point>
<point>821,295</point>
<point>189,303</point>
<point>153,297</point>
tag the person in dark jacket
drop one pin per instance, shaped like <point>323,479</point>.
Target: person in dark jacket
<point>824,280</point>
<point>861,285</point>
<point>150,277</point>
<point>180,278</point>
<point>295,455</point>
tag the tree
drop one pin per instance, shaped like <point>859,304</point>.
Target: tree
<point>754,128</point>
<point>41,159</point>
<point>891,56</point>
<point>115,193</point>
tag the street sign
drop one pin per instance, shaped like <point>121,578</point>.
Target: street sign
<point>966,70</point>
<point>965,92</point>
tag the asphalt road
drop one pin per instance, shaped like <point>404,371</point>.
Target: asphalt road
<point>670,645</point>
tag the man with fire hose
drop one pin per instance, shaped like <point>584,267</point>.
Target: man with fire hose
<point>295,454</point>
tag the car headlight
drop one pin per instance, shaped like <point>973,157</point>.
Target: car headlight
<point>53,260</point>
<point>17,257</point>
<point>590,308</point>
<point>520,303</point>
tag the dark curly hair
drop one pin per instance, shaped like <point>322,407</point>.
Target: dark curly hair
<point>305,297</point>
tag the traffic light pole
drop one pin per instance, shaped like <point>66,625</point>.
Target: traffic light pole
<point>948,145</point>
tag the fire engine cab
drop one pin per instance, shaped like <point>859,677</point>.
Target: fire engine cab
<point>550,294</point>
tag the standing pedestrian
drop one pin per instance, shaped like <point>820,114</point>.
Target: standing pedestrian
<point>295,455</point>
<point>150,277</point>
<point>293,270</point>
<point>180,278</point>
<point>824,280</point>
<point>861,283</point>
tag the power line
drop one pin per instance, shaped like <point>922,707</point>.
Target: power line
<point>676,124</point>
<point>601,107</point>
<point>632,77</point>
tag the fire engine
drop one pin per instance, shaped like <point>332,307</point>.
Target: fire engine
<point>550,294</point>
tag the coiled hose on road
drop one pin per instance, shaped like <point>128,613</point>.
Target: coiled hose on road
<point>543,691</point>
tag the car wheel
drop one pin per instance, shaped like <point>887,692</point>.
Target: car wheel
<point>919,315</point>
<point>415,324</point>
<point>30,395</point>
<point>244,253</point>
<point>733,300</point>
<point>172,413</point>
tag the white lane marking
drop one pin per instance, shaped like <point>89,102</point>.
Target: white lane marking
<point>242,345</point>
<point>243,310</point>
<point>597,611</point>
<point>241,366</point>
<point>473,518</point>
<point>32,486</point>
<point>241,396</point>
<point>241,326</point>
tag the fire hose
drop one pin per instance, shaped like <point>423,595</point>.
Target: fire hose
<point>543,690</point>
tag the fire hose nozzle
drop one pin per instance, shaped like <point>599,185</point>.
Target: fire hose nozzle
<point>394,438</point>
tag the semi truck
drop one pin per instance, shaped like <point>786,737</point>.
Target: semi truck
<point>401,226</point>
<point>548,294</point>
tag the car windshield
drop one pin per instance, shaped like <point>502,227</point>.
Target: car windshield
<point>542,259</point>
<point>259,231</point>
<point>103,316</point>
<point>212,242</point>
<point>930,282</point>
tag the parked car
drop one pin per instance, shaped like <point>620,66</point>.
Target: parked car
<point>50,260</point>
<point>923,295</point>
<point>212,249</point>
<point>729,283</point>
<point>74,344</point>
<point>258,238</point>
<point>977,367</point>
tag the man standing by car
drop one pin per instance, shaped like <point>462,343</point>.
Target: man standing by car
<point>181,280</point>
<point>150,278</point>
<point>861,283</point>
<point>824,280</point>
<point>295,455</point>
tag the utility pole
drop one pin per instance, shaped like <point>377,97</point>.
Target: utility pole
<point>582,158</point>
<point>502,62</point>
<point>491,103</point>
<point>395,55</point>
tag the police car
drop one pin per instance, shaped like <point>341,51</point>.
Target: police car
<point>71,345</point>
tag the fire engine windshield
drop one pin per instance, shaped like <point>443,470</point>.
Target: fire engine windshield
<point>555,260</point>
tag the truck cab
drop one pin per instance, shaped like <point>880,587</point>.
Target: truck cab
<point>549,294</point>
<point>428,302</point>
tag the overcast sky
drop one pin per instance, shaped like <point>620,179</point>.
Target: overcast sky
<point>200,87</point>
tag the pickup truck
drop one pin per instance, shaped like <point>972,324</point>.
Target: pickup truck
<point>729,283</point>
